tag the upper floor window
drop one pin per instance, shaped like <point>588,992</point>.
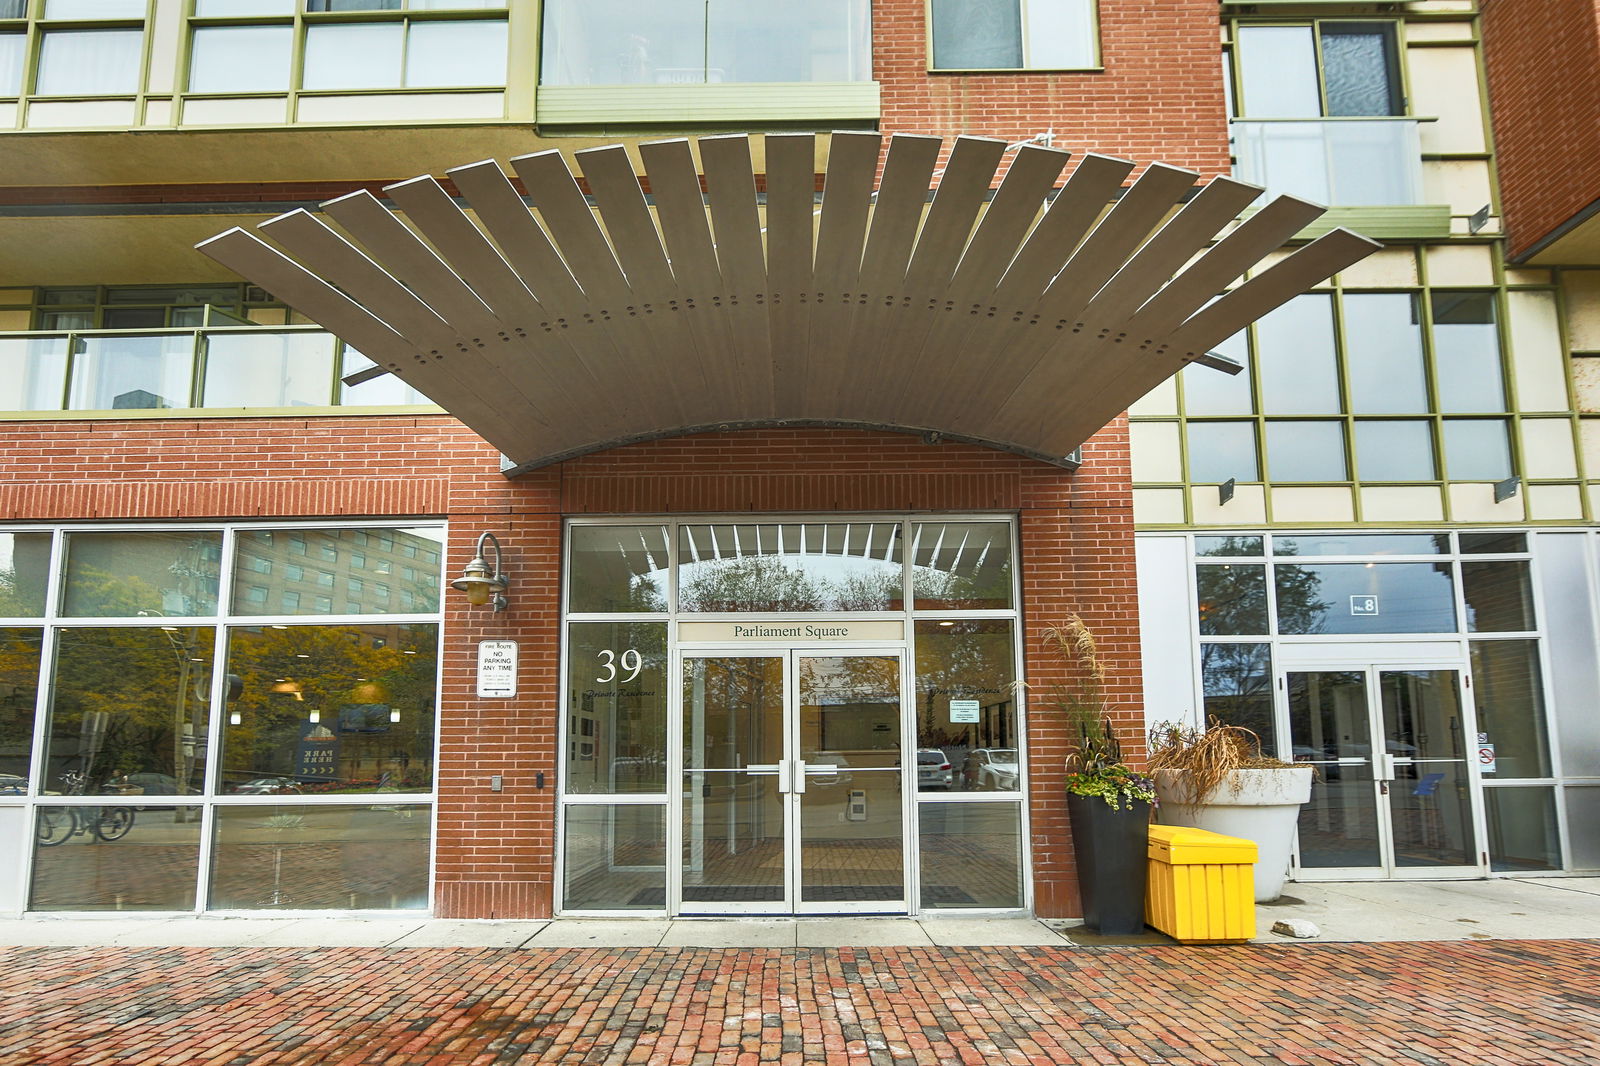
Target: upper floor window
<point>81,47</point>
<point>1326,69</point>
<point>698,42</point>
<point>398,45</point>
<point>1013,34</point>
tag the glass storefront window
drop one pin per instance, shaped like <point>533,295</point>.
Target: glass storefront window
<point>618,569</point>
<point>1499,597</point>
<point>840,566</point>
<point>1366,598</point>
<point>24,574</point>
<point>1302,545</point>
<point>971,855</point>
<point>961,566</point>
<point>330,709</point>
<point>1237,681</point>
<point>1522,829</point>
<point>1509,693</point>
<point>1492,543</point>
<point>129,711</point>
<point>1224,547</point>
<point>390,571</point>
<point>321,858</point>
<point>127,575</point>
<point>972,661</point>
<point>1233,599</point>
<point>616,857</point>
<point>19,690</point>
<point>617,707</point>
<point>115,858</point>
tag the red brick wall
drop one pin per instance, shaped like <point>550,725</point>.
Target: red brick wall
<point>1545,101</point>
<point>496,851</point>
<point>1159,96</point>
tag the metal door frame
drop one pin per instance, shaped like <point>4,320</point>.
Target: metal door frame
<point>791,772</point>
<point>1386,869</point>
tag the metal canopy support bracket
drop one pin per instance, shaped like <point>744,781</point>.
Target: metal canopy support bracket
<point>1024,322</point>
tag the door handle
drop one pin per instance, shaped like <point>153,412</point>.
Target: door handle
<point>799,771</point>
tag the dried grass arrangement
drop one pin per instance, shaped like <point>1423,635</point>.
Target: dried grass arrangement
<point>1209,756</point>
<point>1094,765</point>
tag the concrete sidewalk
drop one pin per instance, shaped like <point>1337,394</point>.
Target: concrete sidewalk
<point>1502,909</point>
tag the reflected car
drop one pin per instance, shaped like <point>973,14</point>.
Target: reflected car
<point>990,770</point>
<point>267,786</point>
<point>934,769</point>
<point>12,785</point>
<point>839,775</point>
<point>149,784</point>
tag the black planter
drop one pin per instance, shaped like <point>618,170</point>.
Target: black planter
<point>1111,848</point>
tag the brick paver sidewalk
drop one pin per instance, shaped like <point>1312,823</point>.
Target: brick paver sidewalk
<point>1459,1003</point>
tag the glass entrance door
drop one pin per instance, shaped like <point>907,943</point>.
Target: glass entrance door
<point>792,798</point>
<point>1393,794</point>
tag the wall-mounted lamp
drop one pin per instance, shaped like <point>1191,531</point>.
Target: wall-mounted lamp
<point>394,716</point>
<point>480,582</point>
<point>235,718</point>
<point>314,717</point>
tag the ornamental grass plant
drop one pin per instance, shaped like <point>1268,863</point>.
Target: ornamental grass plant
<point>1094,765</point>
<point>1208,757</point>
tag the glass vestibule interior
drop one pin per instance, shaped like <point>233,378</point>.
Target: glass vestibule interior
<point>793,796</point>
<point>800,715</point>
<point>1394,787</point>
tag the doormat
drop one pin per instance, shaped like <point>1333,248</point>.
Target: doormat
<point>932,895</point>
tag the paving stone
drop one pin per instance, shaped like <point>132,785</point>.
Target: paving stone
<point>1307,1003</point>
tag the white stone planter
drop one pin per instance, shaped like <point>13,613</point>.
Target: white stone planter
<point>1264,807</point>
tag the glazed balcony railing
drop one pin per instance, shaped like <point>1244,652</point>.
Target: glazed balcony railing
<point>228,368</point>
<point>1339,162</point>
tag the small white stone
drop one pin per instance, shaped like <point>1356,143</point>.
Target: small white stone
<point>1296,927</point>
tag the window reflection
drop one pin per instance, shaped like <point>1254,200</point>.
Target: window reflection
<point>1232,599</point>
<point>337,571</point>
<point>1509,692</point>
<point>618,568</point>
<point>124,575</point>
<point>1366,598</point>
<point>617,707</point>
<point>1237,680</point>
<point>1299,365</point>
<point>961,565</point>
<point>329,709</point>
<point>19,688</point>
<point>129,711</point>
<point>115,858</point>
<point>971,855</point>
<point>844,566</point>
<point>1383,354</point>
<point>966,706</point>
<point>321,858</point>
<point>24,571</point>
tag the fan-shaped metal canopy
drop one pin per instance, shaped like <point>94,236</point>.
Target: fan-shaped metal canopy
<point>1023,316</point>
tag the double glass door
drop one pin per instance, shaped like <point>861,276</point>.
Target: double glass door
<point>1393,794</point>
<point>792,797</point>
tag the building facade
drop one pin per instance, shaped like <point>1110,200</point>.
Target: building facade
<point>778,664</point>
